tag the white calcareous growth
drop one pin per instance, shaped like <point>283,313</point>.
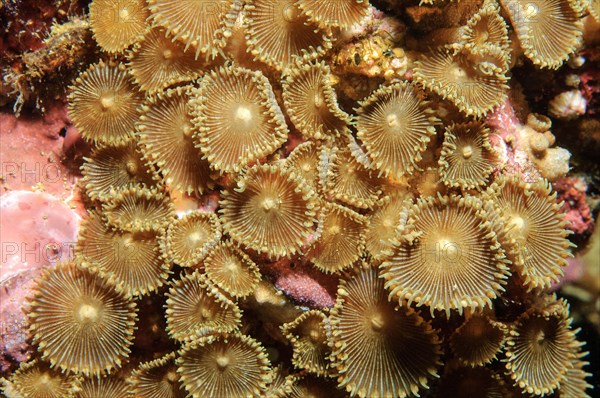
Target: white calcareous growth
<point>567,105</point>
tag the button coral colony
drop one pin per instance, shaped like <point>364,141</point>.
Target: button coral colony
<point>240,147</point>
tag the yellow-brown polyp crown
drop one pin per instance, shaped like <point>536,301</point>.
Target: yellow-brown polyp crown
<point>194,309</point>
<point>277,208</point>
<point>453,240</point>
<point>224,365</point>
<point>379,350</point>
<point>395,128</point>
<point>308,336</point>
<point>81,323</point>
<point>104,103</point>
<point>525,211</point>
<point>467,158</point>
<point>539,349</point>
<point>117,24</point>
<point>237,118</point>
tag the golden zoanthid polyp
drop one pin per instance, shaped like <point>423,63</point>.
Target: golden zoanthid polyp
<point>80,322</point>
<point>379,350</point>
<point>271,211</point>
<point>454,261</point>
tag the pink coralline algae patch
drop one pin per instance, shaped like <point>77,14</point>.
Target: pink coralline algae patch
<point>590,80</point>
<point>32,151</point>
<point>525,144</point>
<point>503,119</point>
<point>571,190</point>
<point>573,273</point>
<point>38,230</point>
<point>303,283</point>
<point>508,142</point>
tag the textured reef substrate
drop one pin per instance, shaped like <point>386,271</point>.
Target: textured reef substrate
<point>299,198</point>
